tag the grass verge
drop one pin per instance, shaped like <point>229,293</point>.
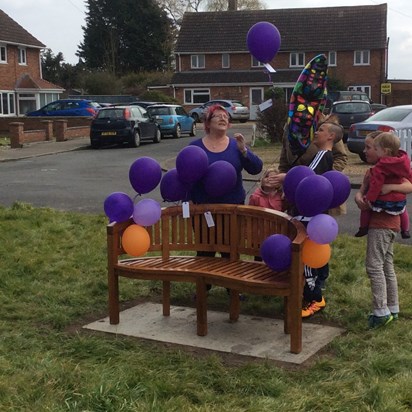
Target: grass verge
<point>53,280</point>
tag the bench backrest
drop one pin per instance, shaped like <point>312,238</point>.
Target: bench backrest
<point>238,229</point>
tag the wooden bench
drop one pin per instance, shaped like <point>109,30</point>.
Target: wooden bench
<point>238,232</point>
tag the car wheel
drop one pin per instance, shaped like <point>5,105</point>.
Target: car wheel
<point>158,136</point>
<point>362,157</point>
<point>193,131</point>
<point>135,140</point>
<point>178,132</point>
<point>195,117</point>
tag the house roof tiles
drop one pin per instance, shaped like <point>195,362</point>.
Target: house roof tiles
<point>335,28</point>
<point>12,32</point>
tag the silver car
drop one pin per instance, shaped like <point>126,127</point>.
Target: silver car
<point>392,119</point>
<point>236,109</point>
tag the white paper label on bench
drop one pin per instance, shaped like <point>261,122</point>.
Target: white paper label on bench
<point>209,219</point>
<point>186,210</point>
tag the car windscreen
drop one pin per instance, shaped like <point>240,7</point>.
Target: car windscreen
<point>350,108</point>
<point>111,114</point>
<point>158,111</point>
<point>392,114</point>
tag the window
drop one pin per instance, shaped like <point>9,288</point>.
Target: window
<point>225,60</point>
<point>194,96</point>
<point>7,103</point>
<point>297,59</point>
<point>197,61</point>
<point>256,62</point>
<point>361,57</point>
<point>22,55</point>
<point>364,89</point>
<point>332,58</point>
<point>3,53</point>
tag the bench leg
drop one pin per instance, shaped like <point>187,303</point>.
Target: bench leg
<point>295,323</point>
<point>286,321</point>
<point>166,298</point>
<point>113,285</point>
<point>201,307</point>
<point>234,308</point>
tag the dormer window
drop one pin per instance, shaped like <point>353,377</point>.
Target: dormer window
<point>3,53</point>
<point>197,61</point>
<point>297,59</point>
<point>22,59</point>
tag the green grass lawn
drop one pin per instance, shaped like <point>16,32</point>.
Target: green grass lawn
<point>53,281</point>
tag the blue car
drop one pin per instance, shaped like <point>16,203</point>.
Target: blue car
<point>68,107</point>
<point>172,119</point>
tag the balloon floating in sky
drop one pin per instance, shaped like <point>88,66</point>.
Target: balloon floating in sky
<point>263,41</point>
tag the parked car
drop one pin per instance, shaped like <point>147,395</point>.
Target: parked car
<point>350,112</point>
<point>376,107</point>
<point>68,107</point>
<point>236,110</point>
<point>123,124</point>
<point>144,104</point>
<point>391,119</point>
<point>173,119</point>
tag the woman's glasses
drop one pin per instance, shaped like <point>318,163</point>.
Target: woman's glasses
<point>223,116</point>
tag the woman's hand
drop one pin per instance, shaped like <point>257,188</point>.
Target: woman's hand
<point>241,142</point>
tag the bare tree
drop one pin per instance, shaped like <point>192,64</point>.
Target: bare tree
<point>222,5</point>
<point>177,8</point>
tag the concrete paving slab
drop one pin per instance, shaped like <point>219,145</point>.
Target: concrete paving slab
<point>250,335</point>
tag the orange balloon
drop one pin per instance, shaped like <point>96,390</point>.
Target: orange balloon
<point>135,240</point>
<point>315,255</point>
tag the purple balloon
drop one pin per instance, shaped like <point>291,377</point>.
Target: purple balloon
<point>191,164</point>
<point>118,207</point>
<point>313,195</point>
<point>147,212</point>
<point>341,187</point>
<point>293,177</point>
<point>172,188</point>
<point>145,174</point>
<point>263,41</point>
<point>220,178</point>
<point>276,252</point>
<point>322,229</point>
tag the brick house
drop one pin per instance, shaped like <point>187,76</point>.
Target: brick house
<point>213,61</point>
<point>22,87</point>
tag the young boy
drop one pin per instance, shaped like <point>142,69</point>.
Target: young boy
<point>381,234</point>
<point>328,134</point>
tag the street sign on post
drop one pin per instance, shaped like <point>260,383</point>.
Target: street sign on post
<point>386,88</point>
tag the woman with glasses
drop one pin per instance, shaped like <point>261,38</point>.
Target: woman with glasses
<point>219,146</point>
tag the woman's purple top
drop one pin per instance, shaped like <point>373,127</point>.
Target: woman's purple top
<point>251,163</point>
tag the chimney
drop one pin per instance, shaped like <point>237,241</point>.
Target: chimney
<point>232,5</point>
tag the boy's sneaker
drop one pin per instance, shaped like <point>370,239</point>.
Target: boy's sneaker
<point>363,231</point>
<point>311,308</point>
<point>405,234</point>
<point>375,322</point>
<point>395,316</point>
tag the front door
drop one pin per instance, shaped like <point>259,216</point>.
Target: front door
<point>256,97</point>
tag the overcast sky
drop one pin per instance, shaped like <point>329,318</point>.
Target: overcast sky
<point>58,25</point>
